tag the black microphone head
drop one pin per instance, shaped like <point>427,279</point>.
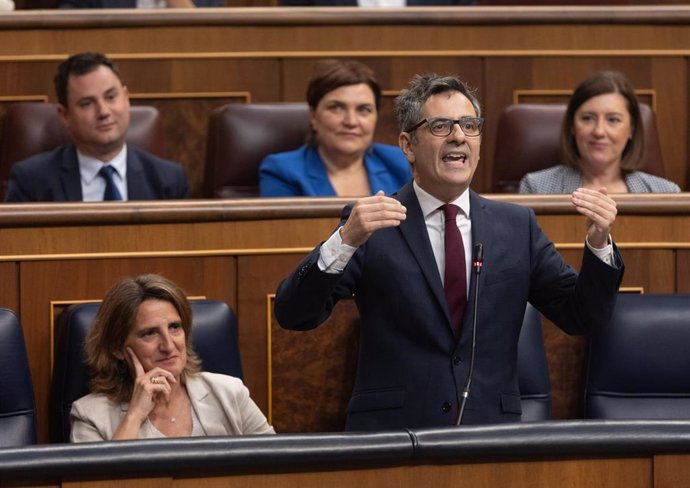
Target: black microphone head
<point>478,253</point>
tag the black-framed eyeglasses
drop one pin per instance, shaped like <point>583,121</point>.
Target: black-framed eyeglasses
<point>443,126</point>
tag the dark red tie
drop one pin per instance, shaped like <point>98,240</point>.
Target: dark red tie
<point>454,283</point>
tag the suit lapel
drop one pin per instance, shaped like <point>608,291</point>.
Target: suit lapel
<point>481,233</point>
<point>70,178</point>
<point>413,230</point>
<point>317,174</point>
<point>137,189</point>
<point>479,215</point>
<point>377,172</point>
<point>208,410</point>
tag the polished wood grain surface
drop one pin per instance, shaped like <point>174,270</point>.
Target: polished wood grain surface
<point>312,375</point>
<point>9,289</point>
<point>590,473</point>
<point>670,471</point>
<point>259,277</point>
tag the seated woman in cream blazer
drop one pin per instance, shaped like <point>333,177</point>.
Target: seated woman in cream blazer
<point>146,380</point>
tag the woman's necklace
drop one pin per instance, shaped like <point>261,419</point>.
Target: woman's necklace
<point>173,418</point>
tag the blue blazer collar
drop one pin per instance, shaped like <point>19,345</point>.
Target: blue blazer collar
<point>318,176</point>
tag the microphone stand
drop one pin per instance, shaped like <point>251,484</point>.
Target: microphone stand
<point>477,264</point>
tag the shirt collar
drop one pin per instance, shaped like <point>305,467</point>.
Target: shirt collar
<point>90,166</point>
<point>430,203</point>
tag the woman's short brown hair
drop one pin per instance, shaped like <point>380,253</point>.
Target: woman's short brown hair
<point>330,74</point>
<point>114,321</point>
<point>601,83</point>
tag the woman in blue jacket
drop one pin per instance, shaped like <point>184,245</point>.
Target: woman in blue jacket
<point>340,157</point>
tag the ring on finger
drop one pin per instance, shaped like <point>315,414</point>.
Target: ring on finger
<point>155,379</point>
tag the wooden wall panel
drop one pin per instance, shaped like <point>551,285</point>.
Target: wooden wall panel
<point>246,237</point>
<point>590,473</point>
<point>205,72</point>
<point>651,270</point>
<point>565,356</point>
<point>668,76</point>
<point>609,471</point>
<point>683,271</point>
<point>9,286</point>
<point>400,30</point>
<point>258,279</point>
<point>184,121</point>
<point>153,73</point>
<point>34,77</point>
<point>655,230</point>
<point>313,372</point>
<point>564,473</point>
<point>670,471</point>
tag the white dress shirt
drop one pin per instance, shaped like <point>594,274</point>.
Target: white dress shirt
<point>93,185</point>
<point>435,227</point>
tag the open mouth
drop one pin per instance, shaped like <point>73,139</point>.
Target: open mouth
<point>455,157</point>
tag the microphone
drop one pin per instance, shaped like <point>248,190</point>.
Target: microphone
<point>477,263</point>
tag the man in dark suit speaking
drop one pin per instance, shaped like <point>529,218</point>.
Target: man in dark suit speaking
<point>395,254</point>
<point>94,104</point>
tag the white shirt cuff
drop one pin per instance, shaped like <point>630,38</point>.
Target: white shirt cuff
<point>605,254</point>
<point>335,254</point>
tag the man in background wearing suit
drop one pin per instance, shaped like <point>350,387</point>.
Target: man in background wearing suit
<point>395,254</point>
<point>94,104</point>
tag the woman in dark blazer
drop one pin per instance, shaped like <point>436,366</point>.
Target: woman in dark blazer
<point>340,157</point>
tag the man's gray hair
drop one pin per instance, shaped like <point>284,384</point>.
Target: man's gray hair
<point>408,105</point>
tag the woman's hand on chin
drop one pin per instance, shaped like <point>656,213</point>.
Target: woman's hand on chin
<point>150,387</point>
